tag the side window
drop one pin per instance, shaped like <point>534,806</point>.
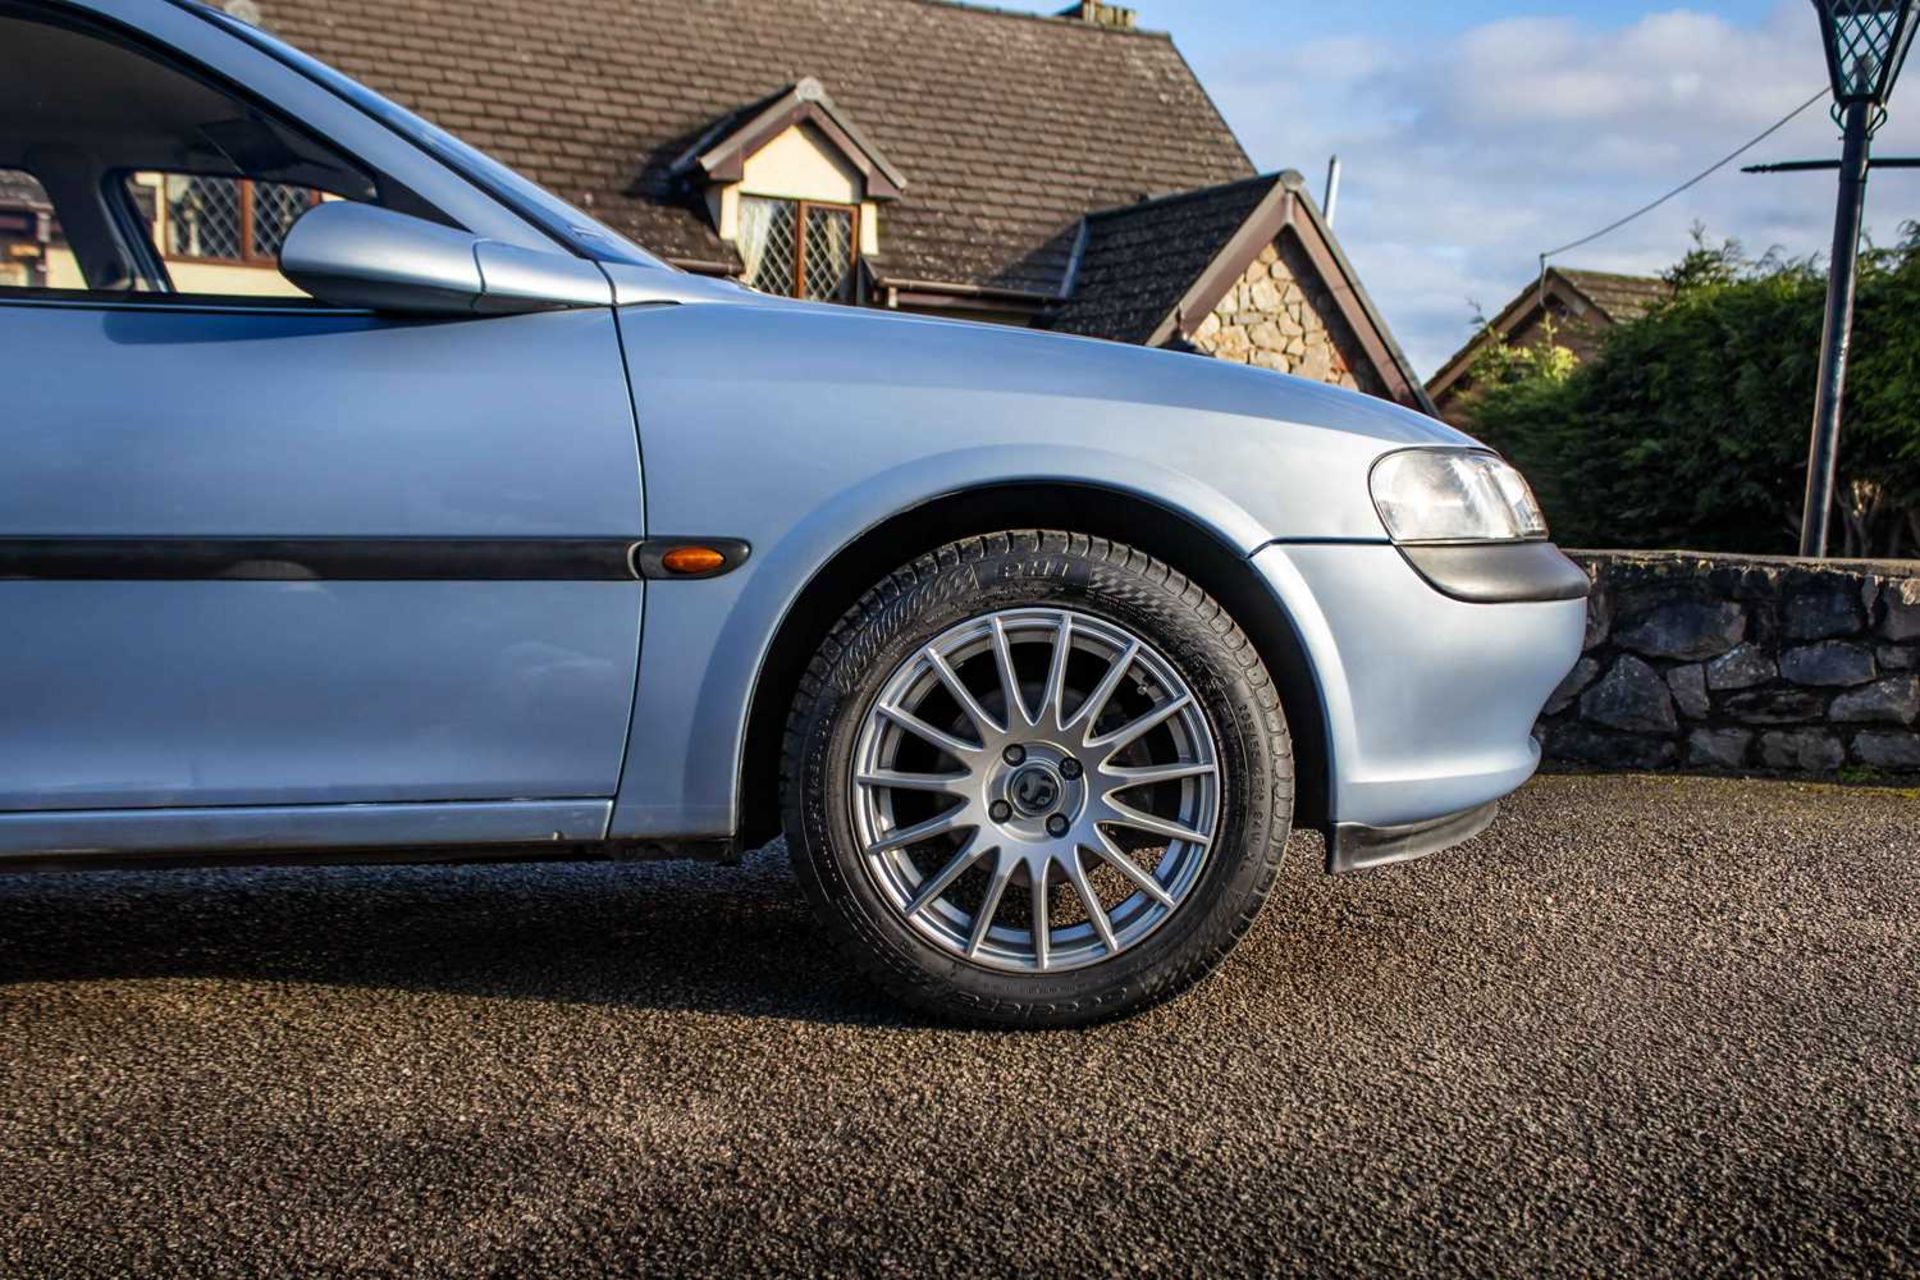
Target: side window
<point>125,173</point>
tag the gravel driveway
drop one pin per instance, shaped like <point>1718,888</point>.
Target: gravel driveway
<point>1643,1025</point>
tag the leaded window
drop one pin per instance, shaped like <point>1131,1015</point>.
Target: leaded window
<point>229,219</point>
<point>800,248</point>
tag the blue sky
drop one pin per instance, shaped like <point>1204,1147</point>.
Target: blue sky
<point>1478,133</point>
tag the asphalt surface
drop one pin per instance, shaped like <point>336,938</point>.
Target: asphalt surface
<point>1643,1026</point>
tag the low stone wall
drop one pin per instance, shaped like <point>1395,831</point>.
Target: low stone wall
<point>1739,662</point>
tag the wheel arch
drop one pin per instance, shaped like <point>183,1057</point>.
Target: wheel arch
<point>1161,531</point>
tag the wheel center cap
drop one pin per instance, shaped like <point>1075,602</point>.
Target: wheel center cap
<point>1035,789</point>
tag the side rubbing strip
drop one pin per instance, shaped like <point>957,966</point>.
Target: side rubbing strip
<point>319,559</point>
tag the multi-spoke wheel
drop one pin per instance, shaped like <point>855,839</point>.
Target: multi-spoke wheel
<point>1038,777</point>
<point>1037,783</point>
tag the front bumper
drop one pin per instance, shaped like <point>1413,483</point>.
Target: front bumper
<point>1429,700</point>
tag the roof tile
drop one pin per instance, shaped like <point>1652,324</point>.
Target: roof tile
<point>1140,261</point>
<point>1009,127</point>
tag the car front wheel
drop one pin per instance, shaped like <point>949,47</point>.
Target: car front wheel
<point>1037,778</point>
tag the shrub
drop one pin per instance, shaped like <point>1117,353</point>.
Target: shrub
<point>1689,428</point>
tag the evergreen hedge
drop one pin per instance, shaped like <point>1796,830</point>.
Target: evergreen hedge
<point>1689,428</point>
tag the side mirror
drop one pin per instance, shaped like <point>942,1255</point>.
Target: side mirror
<point>359,255</point>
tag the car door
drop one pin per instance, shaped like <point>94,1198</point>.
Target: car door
<point>274,572</point>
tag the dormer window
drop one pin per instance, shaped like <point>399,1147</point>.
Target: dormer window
<point>796,187</point>
<point>800,248</point>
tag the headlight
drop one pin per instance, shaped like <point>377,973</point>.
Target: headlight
<point>1454,495</point>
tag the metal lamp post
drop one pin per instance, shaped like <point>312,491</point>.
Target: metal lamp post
<point>1867,42</point>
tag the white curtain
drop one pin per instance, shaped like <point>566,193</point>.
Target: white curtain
<point>756,220</point>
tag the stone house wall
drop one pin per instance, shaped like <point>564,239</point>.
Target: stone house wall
<point>1733,662</point>
<point>1279,316</point>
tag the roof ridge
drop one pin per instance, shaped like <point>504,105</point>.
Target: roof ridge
<point>1191,193</point>
<point>1585,283</point>
<point>1050,19</point>
<point>1611,275</point>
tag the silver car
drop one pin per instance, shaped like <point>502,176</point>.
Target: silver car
<point>487,533</point>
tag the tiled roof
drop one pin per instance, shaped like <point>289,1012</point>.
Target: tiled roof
<point>1153,271</point>
<point>1613,299</point>
<point>1621,298</point>
<point>1008,127</point>
<point>1140,261</point>
<point>18,191</point>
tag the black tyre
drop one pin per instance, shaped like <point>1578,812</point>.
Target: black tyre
<point>1037,778</point>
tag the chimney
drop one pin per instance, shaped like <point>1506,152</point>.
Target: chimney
<point>1100,15</point>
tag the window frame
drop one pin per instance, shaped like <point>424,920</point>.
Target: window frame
<point>853,249</point>
<point>799,281</point>
<point>248,190</point>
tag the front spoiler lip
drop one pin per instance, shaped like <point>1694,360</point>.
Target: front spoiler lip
<point>1354,846</point>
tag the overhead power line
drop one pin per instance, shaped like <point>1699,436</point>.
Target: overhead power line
<point>1686,186</point>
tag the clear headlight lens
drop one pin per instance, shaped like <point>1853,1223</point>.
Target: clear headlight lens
<point>1454,495</point>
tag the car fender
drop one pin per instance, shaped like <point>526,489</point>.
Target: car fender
<point>707,642</point>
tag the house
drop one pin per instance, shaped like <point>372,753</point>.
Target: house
<point>1246,271</point>
<point>1574,308</point>
<point>1064,172</point>
<point>26,217</point>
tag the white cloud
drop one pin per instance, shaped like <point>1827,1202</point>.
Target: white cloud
<point>1465,159</point>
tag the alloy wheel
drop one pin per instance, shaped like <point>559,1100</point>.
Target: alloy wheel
<point>1035,790</point>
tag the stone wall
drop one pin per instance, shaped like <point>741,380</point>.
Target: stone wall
<point>1732,662</point>
<point>1280,317</point>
